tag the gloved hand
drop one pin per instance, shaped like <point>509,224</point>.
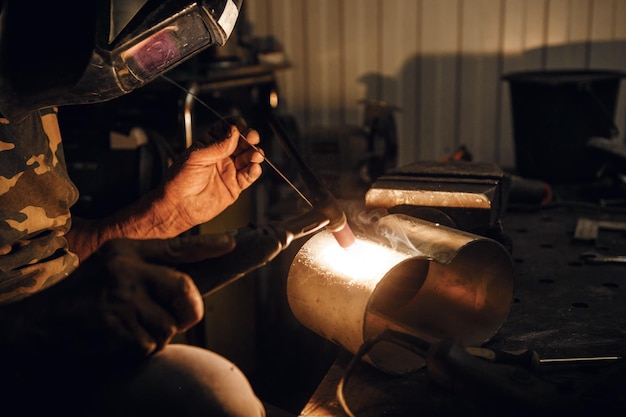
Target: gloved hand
<point>210,176</point>
<point>120,305</point>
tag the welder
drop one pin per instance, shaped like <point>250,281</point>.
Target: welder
<point>88,309</point>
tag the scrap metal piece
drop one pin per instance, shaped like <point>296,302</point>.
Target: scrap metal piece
<point>588,229</point>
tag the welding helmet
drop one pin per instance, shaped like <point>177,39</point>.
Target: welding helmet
<point>69,52</point>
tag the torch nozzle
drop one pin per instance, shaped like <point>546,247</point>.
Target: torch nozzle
<point>329,207</point>
<point>344,236</point>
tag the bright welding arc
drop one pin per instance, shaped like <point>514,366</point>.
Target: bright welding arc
<point>222,118</point>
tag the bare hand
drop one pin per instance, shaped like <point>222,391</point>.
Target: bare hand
<point>207,178</point>
<point>212,175</point>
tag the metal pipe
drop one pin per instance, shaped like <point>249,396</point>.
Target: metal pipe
<point>438,283</point>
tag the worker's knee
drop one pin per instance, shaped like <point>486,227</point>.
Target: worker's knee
<point>186,381</point>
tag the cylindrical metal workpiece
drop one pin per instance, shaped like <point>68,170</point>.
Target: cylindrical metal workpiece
<point>428,280</point>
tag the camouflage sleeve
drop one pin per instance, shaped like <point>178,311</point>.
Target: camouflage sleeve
<point>35,199</point>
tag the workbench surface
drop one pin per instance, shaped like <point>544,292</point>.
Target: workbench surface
<point>563,307</point>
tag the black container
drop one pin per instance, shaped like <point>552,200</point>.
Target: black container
<point>555,113</point>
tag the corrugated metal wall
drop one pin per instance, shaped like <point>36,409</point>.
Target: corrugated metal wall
<point>440,61</point>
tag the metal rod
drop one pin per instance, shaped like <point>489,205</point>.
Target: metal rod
<point>222,118</point>
<point>581,359</point>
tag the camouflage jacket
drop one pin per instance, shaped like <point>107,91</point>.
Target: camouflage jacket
<point>35,199</point>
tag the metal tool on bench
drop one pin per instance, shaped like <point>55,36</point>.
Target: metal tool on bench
<point>532,361</point>
<point>599,258</point>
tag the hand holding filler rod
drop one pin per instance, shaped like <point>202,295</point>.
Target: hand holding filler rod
<point>258,245</point>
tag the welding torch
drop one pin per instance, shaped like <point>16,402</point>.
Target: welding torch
<point>321,197</point>
<point>255,246</point>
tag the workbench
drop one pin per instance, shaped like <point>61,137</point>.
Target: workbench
<point>563,307</point>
